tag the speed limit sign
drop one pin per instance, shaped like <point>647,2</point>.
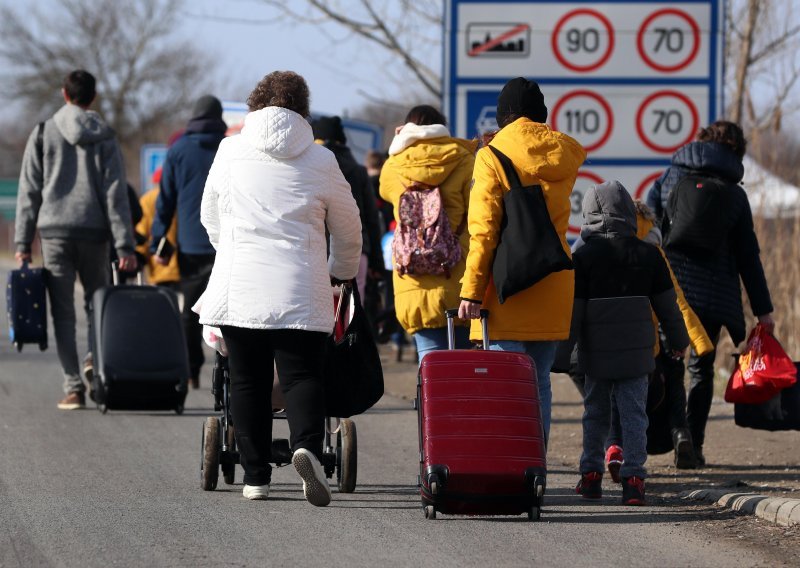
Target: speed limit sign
<point>668,40</point>
<point>583,40</point>
<point>630,80</point>
<point>666,120</point>
<point>586,116</point>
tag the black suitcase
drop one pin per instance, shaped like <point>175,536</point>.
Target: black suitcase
<point>782,412</point>
<point>26,306</point>
<point>139,350</point>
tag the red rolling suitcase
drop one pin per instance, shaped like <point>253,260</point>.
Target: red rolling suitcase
<point>481,437</point>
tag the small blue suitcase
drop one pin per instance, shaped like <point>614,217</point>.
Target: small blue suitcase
<point>26,305</point>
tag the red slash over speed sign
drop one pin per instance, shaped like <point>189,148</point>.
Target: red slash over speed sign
<point>495,41</point>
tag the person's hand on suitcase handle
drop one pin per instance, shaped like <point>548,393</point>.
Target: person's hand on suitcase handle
<point>469,309</point>
<point>128,263</point>
<point>23,257</point>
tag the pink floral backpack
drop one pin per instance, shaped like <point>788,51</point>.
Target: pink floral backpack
<point>424,243</point>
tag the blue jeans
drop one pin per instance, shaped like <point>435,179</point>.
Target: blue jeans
<point>543,354</point>
<point>630,396</point>
<point>436,338</point>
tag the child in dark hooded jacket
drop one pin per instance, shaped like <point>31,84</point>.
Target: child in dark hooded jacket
<point>618,278</point>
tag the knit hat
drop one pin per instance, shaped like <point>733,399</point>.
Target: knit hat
<point>521,97</point>
<point>207,106</point>
<point>329,128</point>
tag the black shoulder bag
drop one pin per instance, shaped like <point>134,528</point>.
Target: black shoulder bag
<point>353,371</point>
<point>529,247</point>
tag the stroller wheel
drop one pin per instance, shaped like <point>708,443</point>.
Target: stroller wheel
<point>228,467</point>
<point>209,454</point>
<point>346,456</point>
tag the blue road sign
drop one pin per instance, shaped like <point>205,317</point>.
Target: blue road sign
<point>631,80</point>
<point>151,157</point>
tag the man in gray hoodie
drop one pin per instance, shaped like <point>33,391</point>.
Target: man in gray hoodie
<point>72,188</point>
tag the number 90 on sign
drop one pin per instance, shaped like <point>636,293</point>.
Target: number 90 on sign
<point>583,40</point>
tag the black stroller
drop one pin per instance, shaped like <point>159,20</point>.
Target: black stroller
<point>339,457</point>
<point>218,448</point>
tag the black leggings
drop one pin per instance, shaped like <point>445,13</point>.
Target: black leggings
<point>298,356</point>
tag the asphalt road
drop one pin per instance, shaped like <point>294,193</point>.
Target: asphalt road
<point>83,489</point>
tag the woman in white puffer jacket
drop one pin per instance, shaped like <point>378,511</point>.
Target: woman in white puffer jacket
<point>270,195</point>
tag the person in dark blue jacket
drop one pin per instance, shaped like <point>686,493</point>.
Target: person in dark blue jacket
<point>711,281</point>
<point>183,178</point>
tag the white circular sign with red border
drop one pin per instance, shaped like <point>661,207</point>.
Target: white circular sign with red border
<point>666,120</point>
<point>585,180</point>
<point>583,40</point>
<point>586,116</point>
<point>668,40</point>
<point>645,185</point>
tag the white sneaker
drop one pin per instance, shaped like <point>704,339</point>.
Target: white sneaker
<point>315,484</point>
<point>255,492</point>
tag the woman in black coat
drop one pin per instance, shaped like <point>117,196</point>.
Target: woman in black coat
<point>711,279</point>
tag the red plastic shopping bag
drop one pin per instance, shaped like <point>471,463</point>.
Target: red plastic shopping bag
<point>763,370</point>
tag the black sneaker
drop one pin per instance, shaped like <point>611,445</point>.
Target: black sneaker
<point>632,491</point>
<point>684,451</point>
<point>590,486</point>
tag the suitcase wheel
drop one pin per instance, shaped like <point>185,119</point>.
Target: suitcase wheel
<point>430,512</point>
<point>18,346</point>
<point>43,346</point>
<point>179,409</point>
<point>534,514</point>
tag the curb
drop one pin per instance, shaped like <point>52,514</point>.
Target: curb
<point>777,510</point>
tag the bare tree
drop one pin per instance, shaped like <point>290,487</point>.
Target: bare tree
<point>407,29</point>
<point>764,37</point>
<point>145,77</point>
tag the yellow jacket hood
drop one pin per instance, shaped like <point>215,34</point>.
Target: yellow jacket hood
<point>445,162</point>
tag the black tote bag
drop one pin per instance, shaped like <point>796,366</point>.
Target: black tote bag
<point>353,371</point>
<point>529,247</point>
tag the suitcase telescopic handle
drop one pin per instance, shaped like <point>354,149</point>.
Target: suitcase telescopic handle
<point>115,274</point>
<point>452,314</point>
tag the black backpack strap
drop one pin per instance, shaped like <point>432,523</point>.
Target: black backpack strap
<point>40,141</point>
<point>508,167</point>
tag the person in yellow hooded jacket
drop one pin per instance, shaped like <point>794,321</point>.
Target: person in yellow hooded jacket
<point>423,151</point>
<point>163,275</point>
<point>533,320</point>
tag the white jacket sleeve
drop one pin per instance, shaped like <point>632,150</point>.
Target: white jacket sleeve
<point>209,207</point>
<point>344,225</point>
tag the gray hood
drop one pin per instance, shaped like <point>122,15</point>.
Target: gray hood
<point>608,211</point>
<point>79,126</point>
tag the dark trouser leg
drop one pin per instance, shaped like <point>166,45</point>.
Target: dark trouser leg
<point>615,430</point>
<point>60,260</point>
<point>195,271</point>
<point>596,418</point>
<point>701,387</point>
<point>674,389</point>
<point>299,359</point>
<point>250,359</point>
<point>94,272</point>
<point>631,398</point>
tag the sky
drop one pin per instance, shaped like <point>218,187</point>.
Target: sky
<point>337,66</point>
